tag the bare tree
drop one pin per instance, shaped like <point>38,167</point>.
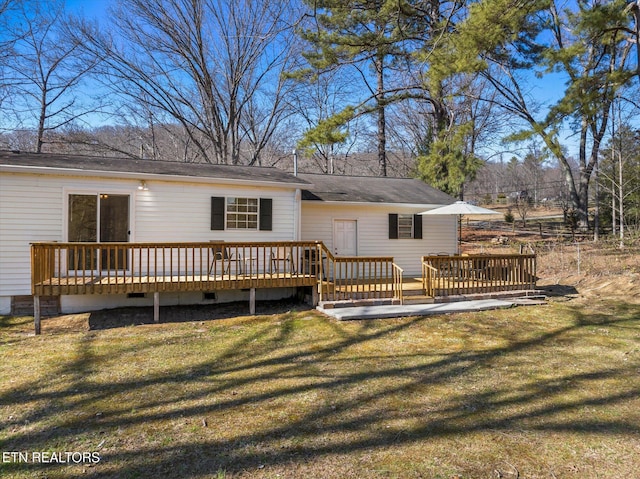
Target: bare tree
<point>620,175</point>
<point>45,71</point>
<point>5,6</point>
<point>209,66</point>
<point>8,37</point>
<point>6,40</point>
<point>523,207</point>
<point>316,102</point>
<point>533,171</point>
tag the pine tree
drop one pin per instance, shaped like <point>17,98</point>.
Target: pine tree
<point>587,42</point>
<point>370,36</point>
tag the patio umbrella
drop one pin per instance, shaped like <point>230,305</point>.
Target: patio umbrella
<point>460,208</point>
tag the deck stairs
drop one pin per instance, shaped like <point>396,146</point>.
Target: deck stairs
<point>416,296</point>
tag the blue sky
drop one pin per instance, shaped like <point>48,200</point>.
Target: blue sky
<point>90,8</point>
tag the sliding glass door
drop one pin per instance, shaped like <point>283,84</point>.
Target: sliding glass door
<point>102,218</point>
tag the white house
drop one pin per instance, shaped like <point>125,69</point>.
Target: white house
<point>73,198</point>
<point>377,216</point>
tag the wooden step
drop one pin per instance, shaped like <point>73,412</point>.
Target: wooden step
<point>418,299</point>
<point>356,302</point>
<point>412,292</point>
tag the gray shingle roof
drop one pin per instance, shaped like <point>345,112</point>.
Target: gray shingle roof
<point>355,189</point>
<point>95,164</point>
<point>369,189</point>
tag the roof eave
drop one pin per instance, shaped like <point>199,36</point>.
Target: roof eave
<point>144,176</point>
<point>365,203</point>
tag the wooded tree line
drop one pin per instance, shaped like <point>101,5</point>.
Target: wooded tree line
<point>437,89</point>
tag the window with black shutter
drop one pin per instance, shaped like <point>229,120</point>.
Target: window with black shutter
<point>266,214</point>
<point>393,226</point>
<point>417,226</point>
<point>217,213</point>
<point>405,226</point>
<point>241,213</point>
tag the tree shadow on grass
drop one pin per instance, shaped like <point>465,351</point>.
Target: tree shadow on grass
<point>559,290</point>
<point>121,317</point>
<point>366,395</point>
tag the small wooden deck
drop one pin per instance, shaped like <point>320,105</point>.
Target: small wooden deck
<point>445,275</point>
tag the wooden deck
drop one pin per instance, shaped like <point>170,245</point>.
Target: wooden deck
<point>477,274</point>
<point>119,268</point>
<point>122,268</point>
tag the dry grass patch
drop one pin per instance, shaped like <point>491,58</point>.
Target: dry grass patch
<point>538,392</point>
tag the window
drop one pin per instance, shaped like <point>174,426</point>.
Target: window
<point>242,213</point>
<point>404,226</point>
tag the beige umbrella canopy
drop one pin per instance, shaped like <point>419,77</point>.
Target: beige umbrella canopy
<point>460,208</point>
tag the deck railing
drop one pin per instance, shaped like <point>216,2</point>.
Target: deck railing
<point>359,277</point>
<point>120,268</point>
<point>111,268</point>
<point>475,274</point>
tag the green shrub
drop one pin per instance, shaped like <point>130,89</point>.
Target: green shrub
<point>508,216</point>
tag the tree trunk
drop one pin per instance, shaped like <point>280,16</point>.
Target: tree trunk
<point>596,214</point>
<point>621,200</point>
<point>613,207</point>
<point>380,106</point>
<point>41,120</point>
<point>634,9</point>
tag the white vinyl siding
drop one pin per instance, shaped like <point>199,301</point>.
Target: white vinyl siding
<point>168,212</point>
<point>32,209</point>
<point>438,232</point>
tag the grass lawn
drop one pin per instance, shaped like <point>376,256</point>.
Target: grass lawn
<point>537,392</point>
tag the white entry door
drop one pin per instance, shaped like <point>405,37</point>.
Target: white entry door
<point>345,237</point>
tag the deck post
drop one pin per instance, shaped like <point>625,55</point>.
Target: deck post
<point>252,301</point>
<point>156,307</point>
<point>315,294</point>
<point>36,313</point>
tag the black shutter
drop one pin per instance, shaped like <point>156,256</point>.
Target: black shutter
<point>217,212</point>
<point>393,226</point>
<point>266,214</point>
<point>417,226</point>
